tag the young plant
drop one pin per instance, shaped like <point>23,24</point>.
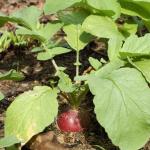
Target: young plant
<point>120,86</point>
<point>4,41</point>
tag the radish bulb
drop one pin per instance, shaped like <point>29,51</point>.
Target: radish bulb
<point>69,121</point>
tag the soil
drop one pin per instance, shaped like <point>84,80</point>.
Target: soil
<point>39,73</point>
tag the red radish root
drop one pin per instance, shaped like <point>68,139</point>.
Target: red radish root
<point>69,121</point>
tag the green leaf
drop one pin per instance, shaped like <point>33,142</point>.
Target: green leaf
<point>136,46</point>
<point>27,17</point>
<point>122,102</point>
<point>31,112</point>
<point>96,64</point>
<point>1,96</point>
<point>49,30</point>
<point>110,7</point>
<point>103,71</point>
<point>30,33</point>
<point>136,8</point>
<point>101,27</point>
<point>8,141</point>
<point>109,67</point>
<point>76,17</point>
<point>45,55</point>
<point>43,34</point>
<point>114,45</point>
<point>14,147</point>
<point>139,0</point>
<point>65,83</point>
<point>76,37</point>
<point>57,5</point>
<point>52,53</point>
<point>143,66</point>
<point>147,24</point>
<point>37,49</point>
<point>128,28</point>
<point>12,75</point>
<point>5,41</point>
<point>82,77</point>
<point>3,19</point>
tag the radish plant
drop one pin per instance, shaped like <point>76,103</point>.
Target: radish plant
<point>120,86</point>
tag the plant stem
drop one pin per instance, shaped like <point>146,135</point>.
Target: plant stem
<point>77,63</point>
<point>53,61</point>
<point>77,55</point>
<point>55,65</point>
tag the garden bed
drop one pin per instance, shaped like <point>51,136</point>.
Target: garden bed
<point>42,73</point>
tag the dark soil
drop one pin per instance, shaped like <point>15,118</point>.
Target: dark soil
<point>39,73</point>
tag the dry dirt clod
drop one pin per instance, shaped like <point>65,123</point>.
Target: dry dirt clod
<point>12,2</point>
<point>45,141</point>
<point>33,2</point>
<point>147,146</point>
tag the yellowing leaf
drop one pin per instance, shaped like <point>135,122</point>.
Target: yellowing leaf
<point>31,112</point>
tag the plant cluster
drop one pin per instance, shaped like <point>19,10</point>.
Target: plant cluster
<point>120,89</point>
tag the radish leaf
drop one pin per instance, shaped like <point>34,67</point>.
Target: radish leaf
<point>122,107</point>
<point>31,112</point>
<point>12,75</point>
<point>143,66</point>
<point>136,46</point>
<point>65,83</point>
<point>8,141</point>
<point>57,5</point>
<point>96,64</point>
<point>50,53</point>
<point>101,26</point>
<point>76,37</point>
<point>114,45</point>
<point>104,6</point>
